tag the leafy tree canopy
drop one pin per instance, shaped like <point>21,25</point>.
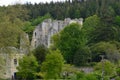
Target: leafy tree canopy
<point>109,49</point>
<point>69,41</point>
<point>40,53</point>
<point>107,67</point>
<point>52,66</point>
<point>27,67</point>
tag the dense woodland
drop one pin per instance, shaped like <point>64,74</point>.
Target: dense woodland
<point>74,47</point>
<point>75,9</point>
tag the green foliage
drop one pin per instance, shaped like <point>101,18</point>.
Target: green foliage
<point>69,71</point>
<point>107,66</point>
<point>91,23</point>
<point>70,40</point>
<point>8,34</point>
<point>9,31</point>
<point>40,53</point>
<point>29,26</point>
<point>17,11</point>
<point>76,9</point>
<point>117,78</point>
<point>99,35</point>
<point>10,24</point>
<point>59,10</point>
<point>107,14</point>
<point>96,30</point>
<point>83,76</point>
<point>69,68</point>
<point>117,20</point>
<point>52,66</point>
<point>118,71</point>
<point>89,26</point>
<point>82,56</point>
<point>80,75</point>
<point>109,49</point>
<point>105,33</point>
<point>90,77</point>
<point>27,67</point>
<point>40,19</point>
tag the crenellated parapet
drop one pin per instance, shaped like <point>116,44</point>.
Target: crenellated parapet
<point>44,31</point>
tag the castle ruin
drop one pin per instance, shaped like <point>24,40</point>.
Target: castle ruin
<point>44,31</point>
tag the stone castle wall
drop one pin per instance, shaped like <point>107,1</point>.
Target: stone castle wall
<point>10,63</point>
<point>10,58</point>
<point>44,31</point>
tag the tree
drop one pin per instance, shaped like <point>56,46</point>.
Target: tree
<point>96,30</point>
<point>14,12</point>
<point>107,14</point>
<point>90,25</point>
<point>83,76</point>
<point>107,67</point>
<point>69,41</point>
<point>40,19</point>
<point>118,71</point>
<point>27,68</point>
<point>29,26</point>
<point>117,20</point>
<point>52,66</point>
<point>90,77</point>
<point>8,34</point>
<point>40,53</point>
<point>82,56</point>
<point>109,49</point>
<point>10,25</point>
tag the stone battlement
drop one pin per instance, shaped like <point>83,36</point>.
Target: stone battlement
<point>43,32</point>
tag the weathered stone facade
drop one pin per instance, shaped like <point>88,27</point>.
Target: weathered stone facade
<point>44,31</point>
<point>10,58</point>
<point>10,64</point>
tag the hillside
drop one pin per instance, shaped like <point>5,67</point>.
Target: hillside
<point>94,44</point>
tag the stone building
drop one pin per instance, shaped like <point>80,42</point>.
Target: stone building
<point>10,58</point>
<point>44,31</point>
<point>41,35</point>
<point>10,63</point>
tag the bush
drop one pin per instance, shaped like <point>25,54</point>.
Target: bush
<point>118,71</point>
<point>53,64</point>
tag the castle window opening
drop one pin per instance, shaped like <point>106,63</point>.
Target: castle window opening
<point>15,61</point>
<point>35,34</point>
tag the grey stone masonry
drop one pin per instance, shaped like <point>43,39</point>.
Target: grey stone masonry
<point>44,31</point>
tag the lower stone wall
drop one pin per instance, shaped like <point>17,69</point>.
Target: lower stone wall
<point>10,63</point>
